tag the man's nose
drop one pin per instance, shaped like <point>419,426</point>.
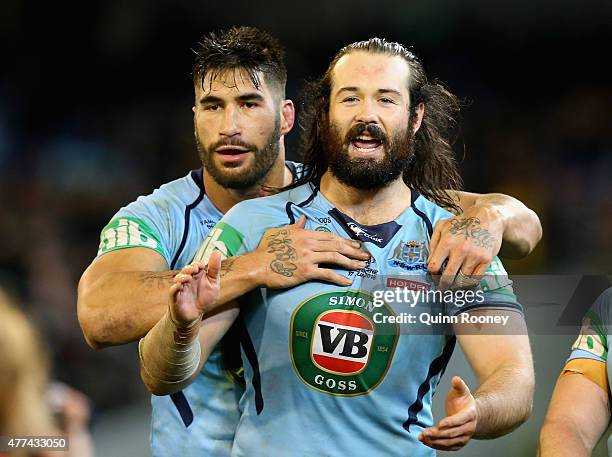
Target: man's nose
<point>367,114</point>
<point>230,126</point>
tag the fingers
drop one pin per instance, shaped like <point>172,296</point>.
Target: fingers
<point>189,270</point>
<point>199,264</point>
<point>182,278</point>
<point>325,274</point>
<point>437,258</point>
<point>435,238</point>
<point>460,386</point>
<point>349,248</point>
<point>327,241</point>
<point>480,270</point>
<point>462,248</point>
<point>457,420</point>
<point>334,258</point>
<point>449,439</point>
<point>448,444</point>
<point>317,241</point>
<point>301,222</point>
<point>475,264</point>
<point>451,270</point>
<point>214,266</point>
<point>185,275</point>
<point>470,262</point>
<point>175,289</point>
<point>450,432</point>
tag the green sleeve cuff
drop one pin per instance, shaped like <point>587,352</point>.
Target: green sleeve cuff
<point>128,232</point>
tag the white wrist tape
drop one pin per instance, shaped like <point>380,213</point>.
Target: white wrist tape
<point>169,353</point>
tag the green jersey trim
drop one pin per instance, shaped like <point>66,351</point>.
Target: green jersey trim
<point>593,337</point>
<point>128,232</point>
<point>224,238</point>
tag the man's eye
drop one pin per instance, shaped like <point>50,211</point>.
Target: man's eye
<point>386,100</point>
<point>212,107</point>
<point>250,105</point>
<point>350,99</point>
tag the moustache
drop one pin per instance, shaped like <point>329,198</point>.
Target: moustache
<point>373,130</point>
<point>232,142</point>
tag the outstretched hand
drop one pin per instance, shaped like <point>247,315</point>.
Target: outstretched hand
<point>456,429</point>
<point>195,290</point>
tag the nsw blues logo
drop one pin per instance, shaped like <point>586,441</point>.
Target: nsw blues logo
<point>410,256</point>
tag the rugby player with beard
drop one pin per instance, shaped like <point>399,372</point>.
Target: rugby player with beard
<point>241,116</point>
<point>321,377</point>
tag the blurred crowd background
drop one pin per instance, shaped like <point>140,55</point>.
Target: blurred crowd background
<point>95,109</point>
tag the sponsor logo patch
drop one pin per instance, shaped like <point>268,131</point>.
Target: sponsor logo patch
<point>223,238</point>
<point>347,352</point>
<point>126,232</point>
<point>336,347</point>
<point>404,283</point>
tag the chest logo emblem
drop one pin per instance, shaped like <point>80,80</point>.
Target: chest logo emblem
<point>336,345</point>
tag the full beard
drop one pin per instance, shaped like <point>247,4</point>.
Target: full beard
<point>251,176</point>
<point>363,173</point>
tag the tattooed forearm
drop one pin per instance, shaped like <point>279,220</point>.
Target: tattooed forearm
<point>158,279</point>
<point>470,229</point>
<point>226,266</point>
<point>279,244</point>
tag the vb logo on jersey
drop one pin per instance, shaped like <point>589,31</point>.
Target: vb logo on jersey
<point>348,351</point>
<point>337,347</point>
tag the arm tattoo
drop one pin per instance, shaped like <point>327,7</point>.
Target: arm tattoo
<point>226,266</point>
<point>471,230</point>
<point>279,244</point>
<point>158,279</point>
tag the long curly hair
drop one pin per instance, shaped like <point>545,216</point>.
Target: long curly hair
<point>433,169</point>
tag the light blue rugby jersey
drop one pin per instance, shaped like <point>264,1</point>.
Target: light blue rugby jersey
<point>324,376</point>
<point>174,220</point>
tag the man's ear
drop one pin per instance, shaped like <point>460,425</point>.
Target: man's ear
<point>420,111</point>
<point>193,109</point>
<point>287,117</point>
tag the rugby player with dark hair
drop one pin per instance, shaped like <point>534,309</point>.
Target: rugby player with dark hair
<point>323,377</point>
<point>240,119</point>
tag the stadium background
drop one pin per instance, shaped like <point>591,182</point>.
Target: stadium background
<point>95,110</point>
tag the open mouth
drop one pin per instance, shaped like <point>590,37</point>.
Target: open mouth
<point>231,155</point>
<point>366,144</point>
<point>231,150</point>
